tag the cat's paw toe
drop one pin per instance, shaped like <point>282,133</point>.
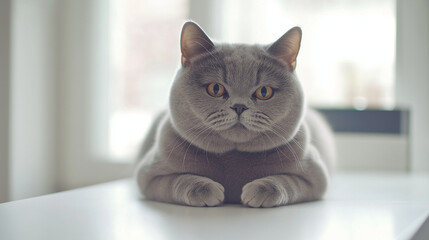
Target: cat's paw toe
<point>263,193</point>
<point>205,193</point>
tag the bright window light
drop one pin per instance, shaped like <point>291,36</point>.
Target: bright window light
<point>347,54</point>
<point>144,57</point>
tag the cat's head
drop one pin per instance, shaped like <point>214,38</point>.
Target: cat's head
<point>237,92</point>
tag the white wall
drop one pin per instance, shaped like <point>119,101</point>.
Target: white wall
<point>412,82</point>
<point>33,98</point>
<point>4,98</point>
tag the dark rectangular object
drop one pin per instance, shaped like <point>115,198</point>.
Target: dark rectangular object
<point>367,121</point>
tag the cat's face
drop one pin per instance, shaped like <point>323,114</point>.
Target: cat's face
<point>237,92</point>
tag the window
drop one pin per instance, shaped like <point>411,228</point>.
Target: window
<point>145,54</point>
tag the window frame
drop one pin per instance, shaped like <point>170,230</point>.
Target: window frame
<point>412,75</point>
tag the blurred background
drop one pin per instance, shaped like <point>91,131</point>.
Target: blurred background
<point>82,79</point>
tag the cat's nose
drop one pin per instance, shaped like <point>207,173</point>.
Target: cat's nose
<point>239,108</point>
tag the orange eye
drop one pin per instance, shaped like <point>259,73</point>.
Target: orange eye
<point>215,89</point>
<point>264,92</point>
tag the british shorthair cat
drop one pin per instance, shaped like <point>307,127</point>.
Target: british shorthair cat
<point>237,129</point>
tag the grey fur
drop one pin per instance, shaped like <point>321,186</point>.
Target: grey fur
<point>280,153</point>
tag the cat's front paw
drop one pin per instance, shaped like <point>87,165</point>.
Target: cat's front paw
<point>204,192</point>
<point>264,192</point>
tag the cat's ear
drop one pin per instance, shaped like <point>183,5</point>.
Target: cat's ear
<point>193,42</point>
<point>287,46</point>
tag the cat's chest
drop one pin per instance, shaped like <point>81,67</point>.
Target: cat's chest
<point>235,164</point>
<point>234,169</point>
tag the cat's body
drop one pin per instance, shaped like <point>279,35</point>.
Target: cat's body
<point>237,129</point>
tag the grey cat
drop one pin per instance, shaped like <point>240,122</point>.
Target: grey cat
<point>237,130</point>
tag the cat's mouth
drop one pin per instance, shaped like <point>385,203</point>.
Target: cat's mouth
<point>239,125</point>
<point>238,133</point>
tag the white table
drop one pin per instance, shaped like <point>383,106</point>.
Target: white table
<point>357,206</point>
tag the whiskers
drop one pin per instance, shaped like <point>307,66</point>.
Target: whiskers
<point>257,121</point>
<point>290,144</point>
<point>192,142</point>
<point>220,120</point>
<point>197,134</point>
<point>264,125</point>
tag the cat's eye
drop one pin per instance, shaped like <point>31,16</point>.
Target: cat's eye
<point>215,89</point>
<point>264,92</point>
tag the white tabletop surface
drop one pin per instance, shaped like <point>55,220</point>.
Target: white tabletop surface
<point>357,206</point>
